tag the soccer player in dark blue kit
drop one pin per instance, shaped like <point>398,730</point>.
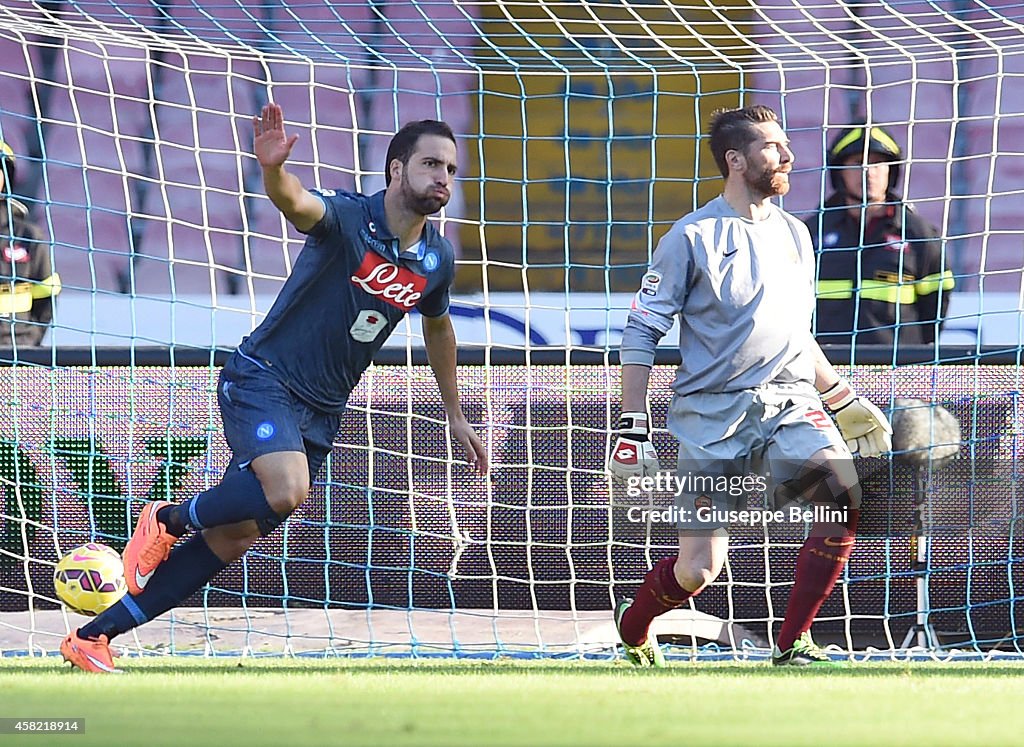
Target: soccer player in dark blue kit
<point>366,263</point>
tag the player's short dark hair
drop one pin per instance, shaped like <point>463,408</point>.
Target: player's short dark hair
<point>733,129</point>
<point>403,144</point>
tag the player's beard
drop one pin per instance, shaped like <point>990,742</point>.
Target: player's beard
<point>770,183</point>
<point>424,204</point>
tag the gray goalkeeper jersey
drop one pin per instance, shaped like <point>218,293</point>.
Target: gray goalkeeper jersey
<point>744,294</point>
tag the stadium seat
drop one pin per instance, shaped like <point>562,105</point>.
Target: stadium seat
<point>15,115</point>
<point>919,115</point>
<point>324,32</point>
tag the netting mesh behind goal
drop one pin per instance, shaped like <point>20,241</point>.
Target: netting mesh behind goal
<point>579,128</point>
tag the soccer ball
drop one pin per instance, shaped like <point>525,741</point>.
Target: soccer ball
<point>89,579</point>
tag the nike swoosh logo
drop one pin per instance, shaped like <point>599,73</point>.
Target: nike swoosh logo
<point>729,254</point>
<point>80,558</point>
<point>840,543</point>
<point>100,664</point>
<point>143,579</point>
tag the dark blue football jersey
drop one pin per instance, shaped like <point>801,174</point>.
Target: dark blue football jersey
<point>347,292</point>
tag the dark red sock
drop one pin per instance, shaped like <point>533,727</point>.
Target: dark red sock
<point>659,593</point>
<point>821,560</point>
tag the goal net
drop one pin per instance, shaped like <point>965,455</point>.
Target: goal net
<point>580,138</point>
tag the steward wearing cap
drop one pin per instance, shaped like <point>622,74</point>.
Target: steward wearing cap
<point>881,274</point>
<point>27,281</point>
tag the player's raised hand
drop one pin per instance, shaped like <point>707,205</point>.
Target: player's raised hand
<point>862,425</point>
<point>476,454</point>
<point>633,454</point>
<point>271,144</point>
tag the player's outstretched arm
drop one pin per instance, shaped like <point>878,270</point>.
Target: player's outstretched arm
<point>272,146</point>
<point>862,425</point>
<point>439,341</point>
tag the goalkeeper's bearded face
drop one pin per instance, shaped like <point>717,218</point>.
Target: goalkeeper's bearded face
<point>768,161</point>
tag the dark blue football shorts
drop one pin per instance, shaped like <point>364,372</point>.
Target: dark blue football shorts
<point>262,416</point>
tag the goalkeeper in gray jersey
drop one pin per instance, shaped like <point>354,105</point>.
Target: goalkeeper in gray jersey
<point>738,273</point>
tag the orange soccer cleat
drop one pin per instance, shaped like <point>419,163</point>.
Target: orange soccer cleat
<point>149,546</point>
<point>87,654</point>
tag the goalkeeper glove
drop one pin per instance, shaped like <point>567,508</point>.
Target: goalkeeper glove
<point>633,454</point>
<point>863,426</point>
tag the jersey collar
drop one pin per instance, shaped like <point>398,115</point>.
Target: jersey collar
<point>378,216</point>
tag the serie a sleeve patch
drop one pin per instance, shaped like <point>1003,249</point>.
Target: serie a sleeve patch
<point>650,283</point>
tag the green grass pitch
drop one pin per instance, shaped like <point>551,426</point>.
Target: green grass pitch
<point>191,702</point>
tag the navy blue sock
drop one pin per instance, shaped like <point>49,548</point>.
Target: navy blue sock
<point>190,565</point>
<point>238,497</point>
